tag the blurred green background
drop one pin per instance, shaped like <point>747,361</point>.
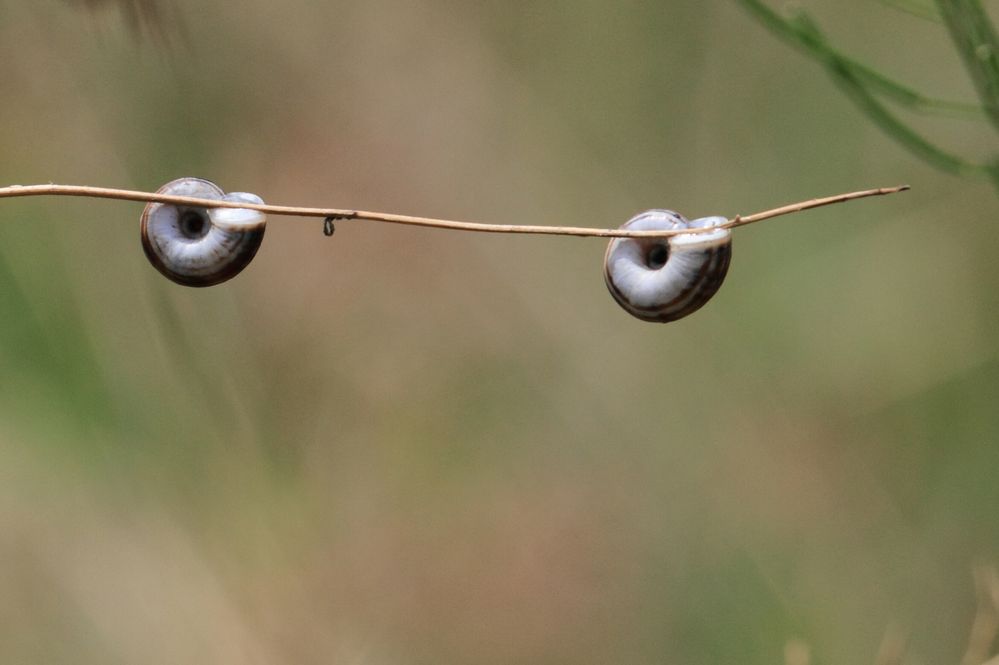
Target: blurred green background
<point>414,446</point>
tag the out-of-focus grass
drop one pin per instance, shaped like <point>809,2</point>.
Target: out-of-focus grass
<point>406,446</point>
<point>974,39</point>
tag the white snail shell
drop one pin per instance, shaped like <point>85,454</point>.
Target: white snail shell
<point>201,246</point>
<point>665,279</point>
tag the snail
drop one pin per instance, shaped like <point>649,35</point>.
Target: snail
<point>201,246</point>
<point>665,279</point>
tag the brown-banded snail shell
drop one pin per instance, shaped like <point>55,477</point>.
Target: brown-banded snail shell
<point>665,279</point>
<point>201,246</point>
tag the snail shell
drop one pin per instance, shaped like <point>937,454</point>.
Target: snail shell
<point>665,279</point>
<point>201,246</point>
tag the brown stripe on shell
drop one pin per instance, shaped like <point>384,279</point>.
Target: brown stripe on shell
<point>226,267</point>
<point>709,279</point>
<point>706,284</point>
<point>227,261</point>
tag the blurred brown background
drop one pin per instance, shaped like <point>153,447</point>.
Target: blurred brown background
<point>413,446</point>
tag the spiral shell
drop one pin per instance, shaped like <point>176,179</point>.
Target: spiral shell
<point>201,246</point>
<point>665,279</point>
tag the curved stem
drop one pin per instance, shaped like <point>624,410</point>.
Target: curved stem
<point>347,214</point>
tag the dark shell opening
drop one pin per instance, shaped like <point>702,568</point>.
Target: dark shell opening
<point>657,255</point>
<point>194,223</point>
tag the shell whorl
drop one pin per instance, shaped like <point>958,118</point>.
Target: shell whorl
<point>201,246</point>
<point>665,279</point>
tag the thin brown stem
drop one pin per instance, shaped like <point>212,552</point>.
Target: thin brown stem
<point>813,203</point>
<point>347,214</point>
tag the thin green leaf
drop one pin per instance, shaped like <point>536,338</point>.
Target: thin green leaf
<point>921,10</point>
<point>898,130</point>
<point>857,83</point>
<point>817,47</point>
<point>976,41</point>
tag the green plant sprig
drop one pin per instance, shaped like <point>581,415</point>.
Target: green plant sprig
<point>971,31</point>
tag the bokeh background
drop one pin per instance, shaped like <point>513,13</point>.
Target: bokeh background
<point>415,446</point>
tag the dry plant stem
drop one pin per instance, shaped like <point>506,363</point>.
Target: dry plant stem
<point>345,214</point>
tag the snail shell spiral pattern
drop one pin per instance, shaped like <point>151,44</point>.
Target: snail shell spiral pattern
<point>665,279</point>
<point>201,246</point>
